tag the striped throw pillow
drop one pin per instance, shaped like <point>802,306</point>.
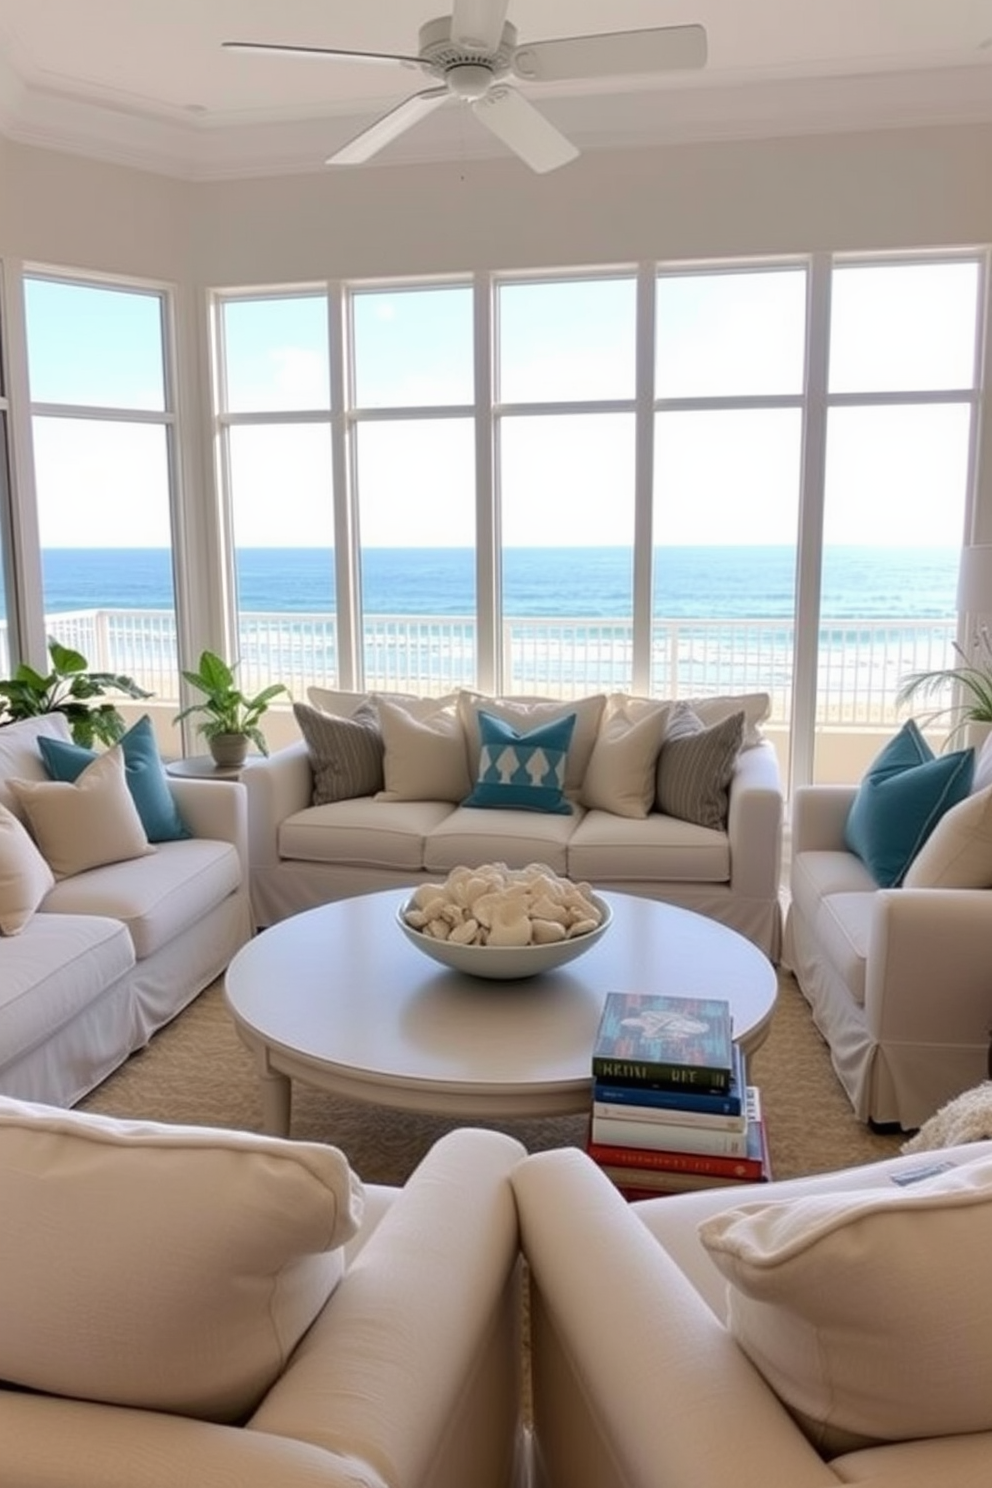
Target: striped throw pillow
<point>345,753</point>
<point>695,767</point>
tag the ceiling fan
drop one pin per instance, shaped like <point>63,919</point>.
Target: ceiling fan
<point>470,54</point>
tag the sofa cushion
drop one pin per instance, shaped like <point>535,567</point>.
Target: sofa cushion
<point>865,1310</point>
<point>86,823</point>
<point>958,852</point>
<point>620,775</point>
<point>364,833</point>
<point>471,836</point>
<point>816,874</point>
<point>25,877</point>
<point>527,713</point>
<point>522,770</point>
<point>424,757</point>
<point>20,756</point>
<point>696,765</point>
<point>143,771</point>
<point>657,849</point>
<point>903,795</point>
<point>58,965</point>
<point>157,897</point>
<point>842,927</point>
<point>162,1267</point>
<point>345,753</point>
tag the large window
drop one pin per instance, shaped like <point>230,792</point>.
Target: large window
<point>102,426</point>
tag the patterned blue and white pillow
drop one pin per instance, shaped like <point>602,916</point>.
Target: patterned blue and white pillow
<point>522,772</point>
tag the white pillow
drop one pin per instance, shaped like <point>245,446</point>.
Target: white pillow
<point>756,707</point>
<point>86,823</point>
<point>20,755</point>
<point>25,877</point>
<point>337,703</point>
<point>958,852</point>
<point>983,766</point>
<point>867,1312</point>
<point>525,714</point>
<point>620,775</point>
<point>424,757</point>
<point>165,1267</point>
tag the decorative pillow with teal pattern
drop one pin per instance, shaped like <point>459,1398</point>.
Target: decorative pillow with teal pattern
<point>522,772</point>
<point>903,795</point>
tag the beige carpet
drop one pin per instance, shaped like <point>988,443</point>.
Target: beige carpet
<point>198,1071</point>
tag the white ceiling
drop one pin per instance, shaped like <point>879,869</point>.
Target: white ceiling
<point>145,82</point>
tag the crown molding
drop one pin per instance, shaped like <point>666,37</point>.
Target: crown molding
<point>200,148</point>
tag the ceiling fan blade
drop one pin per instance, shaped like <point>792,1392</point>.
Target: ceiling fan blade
<point>388,128</point>
<point>615,54</point>
<point>266,48</point>
<point>527,132</point>
<point>478,24</point>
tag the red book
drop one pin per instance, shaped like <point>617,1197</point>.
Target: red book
<point>707,1164</point>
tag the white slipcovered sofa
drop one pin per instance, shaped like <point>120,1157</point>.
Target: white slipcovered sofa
<point>224,1310</point>
<point>94,961</point>
<point>858,1297</point>
<point>398,771</point>
<point>899,980</point>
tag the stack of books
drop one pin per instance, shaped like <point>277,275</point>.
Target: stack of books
<point>672,1109</point>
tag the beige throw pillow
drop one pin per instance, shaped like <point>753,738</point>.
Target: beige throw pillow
<point>867,1312</point>
<point>25,877</point>
<point>620,775</point>
<point>756,707</point>
<point>20,756</point>
<point>526,714</point>
<point>86,823</point>
<point>958,852</point>
<point>168,1268</point>
<point>696,765</point>
<point>424,756</point>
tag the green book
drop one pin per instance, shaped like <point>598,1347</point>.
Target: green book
<point>664,1042</point>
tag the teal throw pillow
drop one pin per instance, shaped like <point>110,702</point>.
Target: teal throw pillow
<point>143,771</point>
<point>522,771</point>
<point>905,792</point>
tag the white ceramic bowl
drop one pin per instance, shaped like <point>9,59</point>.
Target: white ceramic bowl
<point>506,963</point>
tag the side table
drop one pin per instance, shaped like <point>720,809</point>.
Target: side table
<point>202,767</point>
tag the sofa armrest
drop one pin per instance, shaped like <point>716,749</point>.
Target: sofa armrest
<point>928,977</point>
<point>819,815</point>
<point>414,1366</point>
<point>636,1383</point>
<point>277,786</point>
<point>216,809</point>
<point>754,823</point>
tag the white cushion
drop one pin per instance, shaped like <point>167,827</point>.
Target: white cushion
<point>86,823</point>
<point>958,852</point>
<point>756,707</point>
<point>165,1267</point>
<point>525,714</point>
<point>658,849</point>
<point>362,833</point>
<point>25,877</point>
<point>866,1310</point>
<point>424,756</point>
<point>620,775</point>
<point>20,755</point>
<point>471,835</point>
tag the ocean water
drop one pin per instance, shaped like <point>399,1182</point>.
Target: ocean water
<point>707,582</point>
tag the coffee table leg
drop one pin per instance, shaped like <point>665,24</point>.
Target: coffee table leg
<point>276,1103</point>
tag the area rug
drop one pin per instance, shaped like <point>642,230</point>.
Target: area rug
<point>198,1071</point>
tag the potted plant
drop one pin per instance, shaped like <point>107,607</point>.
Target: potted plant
<point>68,688</point>
<point>971,676</point>
<point>231,719</point>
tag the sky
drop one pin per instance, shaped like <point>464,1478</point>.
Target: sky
<point>895,475</point>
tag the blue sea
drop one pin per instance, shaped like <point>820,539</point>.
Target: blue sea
<point>712,582</point>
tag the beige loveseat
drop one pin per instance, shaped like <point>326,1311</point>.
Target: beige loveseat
<point>186,1308</point>
<point>882,1318</point>
<point>94,961</point>
<point>899,980</point>
<point>408,824</point>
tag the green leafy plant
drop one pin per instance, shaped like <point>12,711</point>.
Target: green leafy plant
<point>68,688</point>
<point>973,677</point>
<point>225,707</point>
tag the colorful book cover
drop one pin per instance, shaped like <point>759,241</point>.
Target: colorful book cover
<point>721,1111</point>
<point>673,1041</point>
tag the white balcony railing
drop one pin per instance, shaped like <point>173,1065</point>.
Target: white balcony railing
<point>861,662</point>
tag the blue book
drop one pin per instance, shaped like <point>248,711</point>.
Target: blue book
<point>726,1103</point>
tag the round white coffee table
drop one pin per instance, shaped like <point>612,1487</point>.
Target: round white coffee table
<point>338,997</point>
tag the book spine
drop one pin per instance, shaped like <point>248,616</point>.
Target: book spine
<point>689,1107</point>
<point>636,1185</point>
<point>675,1115</point>
<point>710,1165</point>
<point>665,1136</point>
<point>663,1075</point>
